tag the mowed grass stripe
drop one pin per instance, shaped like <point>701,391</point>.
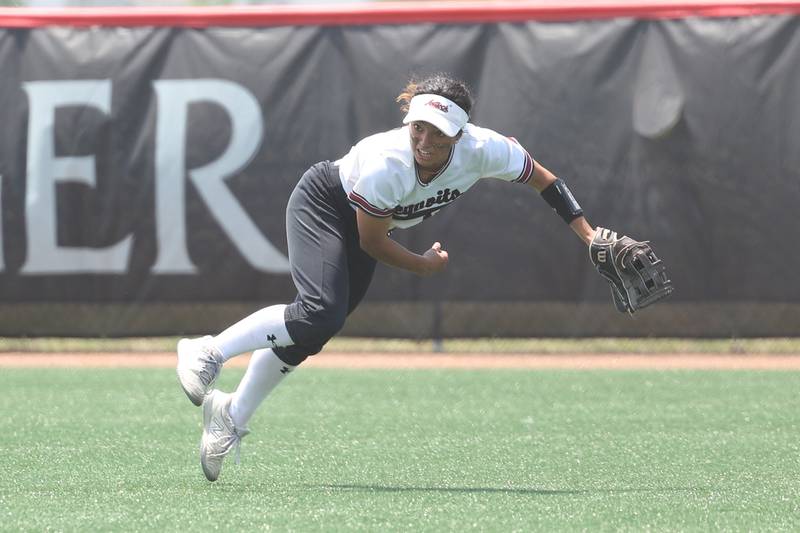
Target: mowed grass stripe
<point>410,450</point>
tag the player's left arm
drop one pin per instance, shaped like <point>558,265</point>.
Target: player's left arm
<point>636,275</point>
<point>560,198</point>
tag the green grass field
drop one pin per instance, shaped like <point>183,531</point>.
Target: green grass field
<point>414,450</point>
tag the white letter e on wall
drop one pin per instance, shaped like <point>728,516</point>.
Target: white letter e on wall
<point>45,170</point>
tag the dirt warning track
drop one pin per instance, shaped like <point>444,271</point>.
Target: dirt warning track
<point>430,361</point>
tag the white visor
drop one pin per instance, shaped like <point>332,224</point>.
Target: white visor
<point>439,111</point>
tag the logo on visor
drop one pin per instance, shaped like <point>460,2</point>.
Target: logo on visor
<point>438,105</point>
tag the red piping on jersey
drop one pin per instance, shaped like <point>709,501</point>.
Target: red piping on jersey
<point>362,202</point>
<point>527,169</point>
<point>389,13</point>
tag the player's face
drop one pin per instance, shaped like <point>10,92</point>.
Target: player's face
<point>430,145</point>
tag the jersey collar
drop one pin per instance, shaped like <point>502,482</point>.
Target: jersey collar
<point>438,173</point>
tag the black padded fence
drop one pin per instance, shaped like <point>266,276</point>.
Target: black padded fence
<point>145,170</point>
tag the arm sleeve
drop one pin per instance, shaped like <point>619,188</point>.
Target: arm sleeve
<point>507,160</point>
<point>376,192</point>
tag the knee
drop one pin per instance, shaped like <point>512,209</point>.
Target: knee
<point>325,325</point>
<point>314,325</point>
<point>296,354</point>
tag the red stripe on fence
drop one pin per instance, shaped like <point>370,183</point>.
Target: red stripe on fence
<point>387,13</point>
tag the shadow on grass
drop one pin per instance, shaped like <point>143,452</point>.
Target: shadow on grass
<point>494,490</point>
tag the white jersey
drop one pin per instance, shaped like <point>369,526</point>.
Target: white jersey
<point>379,174</point>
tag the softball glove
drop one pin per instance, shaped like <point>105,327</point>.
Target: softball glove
<point>637,277</point>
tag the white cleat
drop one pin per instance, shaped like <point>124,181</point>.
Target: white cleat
<point>199,365</point>
<point>220,434</point>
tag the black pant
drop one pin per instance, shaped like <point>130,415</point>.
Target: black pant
<point>329,268</point>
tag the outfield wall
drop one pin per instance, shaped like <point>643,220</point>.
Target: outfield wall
<point>147,155</point>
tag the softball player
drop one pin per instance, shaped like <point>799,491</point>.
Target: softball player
<point>338,222</point>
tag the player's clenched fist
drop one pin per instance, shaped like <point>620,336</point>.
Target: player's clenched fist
<point>435,259</point>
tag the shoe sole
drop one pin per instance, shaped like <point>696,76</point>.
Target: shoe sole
<point>192,397</point>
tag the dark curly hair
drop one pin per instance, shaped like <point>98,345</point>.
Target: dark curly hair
<point>441,84</point>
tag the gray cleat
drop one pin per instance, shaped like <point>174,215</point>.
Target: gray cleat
<point>220,434</point>
<point>199,365</point>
